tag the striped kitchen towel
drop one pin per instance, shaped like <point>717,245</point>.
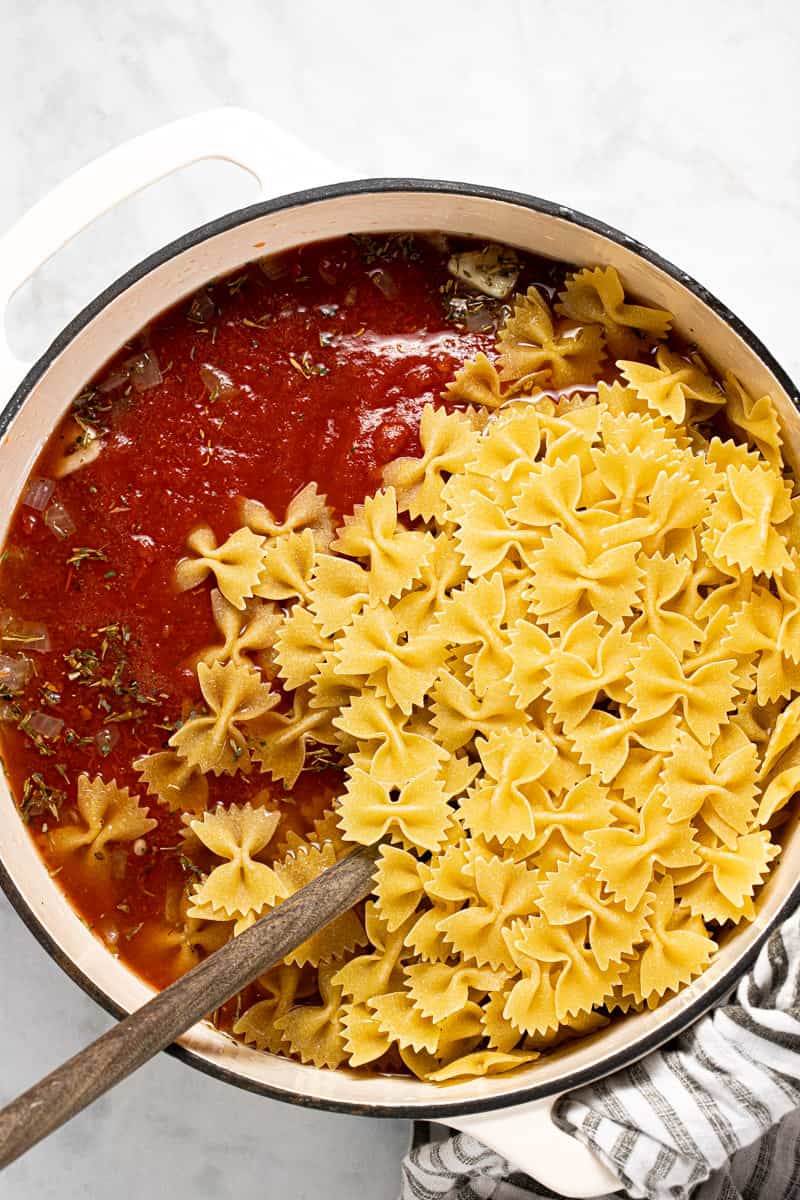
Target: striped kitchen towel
<point>714,1116</point>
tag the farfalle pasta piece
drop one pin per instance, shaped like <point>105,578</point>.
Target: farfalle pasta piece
<point>743,524</point>
<point>476,383</point>
<point>442,571</point>
<point>341,936</point>
<point>676,947</point>
<point>551,494</point>
<point>502,892</point>
<point>503,805</point>
<point>364,1040</point>
<point>716,782</point>
<point>287,564</point>
<point>173,781</point>
<point>788,588</point>
<point>575,891</point>
<point>589,661</point>
<point>216,742</point>
<point>394,554</point>
<point>785,734</point>
<point>728,876</point>
<point>756,419</point>
<point>663,609</point>
<point>570,433</point>
<point>279,742</point>
<point>532,351</point>
<point>401,669</point>
<point>458,714</point>
<point>604,740</point>
<point>564,821</point>
<point>530,651</point>
<point>247,631</point>
<point>108,814</point>
<point>480,1063</point>
<point>441,989</point>
<point>339,589</point>
<point>240,886</point>
<point>561,979</point>
<point>755,629</point>
<point>473,615</point>
<point>307,510</point>
<point>623,479</point>
<point>299,646</point>
<point>406,1025</point>
<point>508,446</point>
<point>596,295</point>
<point>256,1025</point>
<point>400,755</point>
<point>584,1025</point>
<point>486,536</point>
<point>567,582</point>
<point>701,685</point>
<point>236,563</point>
<point>378,970</point>
<point>618,400</point>
<point>418,811</point>
<point>782,788</point>
<point>331,690</point>
<point>313,1032</point>
<point>626,859</point>
<point>399,886</point>
<point>181,941</point>
<point>668,386</point>
<point>448,441</point>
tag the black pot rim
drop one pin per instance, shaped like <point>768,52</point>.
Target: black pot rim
<point>685,1016</point>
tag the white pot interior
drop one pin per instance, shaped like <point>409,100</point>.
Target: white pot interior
<point>179,276</point>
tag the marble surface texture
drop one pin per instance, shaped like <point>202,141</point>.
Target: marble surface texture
<point>677,124</point>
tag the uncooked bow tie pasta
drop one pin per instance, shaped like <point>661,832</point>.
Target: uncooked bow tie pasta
<point>548,654</point>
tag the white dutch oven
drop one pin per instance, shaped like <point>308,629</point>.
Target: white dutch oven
<point>510,1113</point>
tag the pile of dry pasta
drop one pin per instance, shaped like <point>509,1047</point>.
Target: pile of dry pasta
<point>557,658</point>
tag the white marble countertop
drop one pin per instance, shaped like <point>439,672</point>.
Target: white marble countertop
<point>680,130</point>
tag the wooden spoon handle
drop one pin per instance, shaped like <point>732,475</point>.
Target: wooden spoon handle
<point>117,1053</point>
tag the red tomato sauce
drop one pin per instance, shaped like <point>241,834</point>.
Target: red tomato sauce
<point>312,367</point>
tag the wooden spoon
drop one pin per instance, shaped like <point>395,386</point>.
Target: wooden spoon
<point>136,1039</point>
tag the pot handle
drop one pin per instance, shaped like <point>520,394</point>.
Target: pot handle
<point>278,161</point>
<point>527,1136</point>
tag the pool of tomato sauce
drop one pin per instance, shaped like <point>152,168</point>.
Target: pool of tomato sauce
<point>331,351</point>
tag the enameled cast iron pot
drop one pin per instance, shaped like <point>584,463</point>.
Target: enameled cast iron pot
<point>33,407</point>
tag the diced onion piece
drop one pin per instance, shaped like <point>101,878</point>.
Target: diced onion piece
<point>383,282</point>
<point>217,382</point>
<point>15,671</point>
<point>438,240</point>
<point>38,493</point>
<point>476,312</point>
<point>202,308</point>
<point>16,634</point>
<point>275,266</point>
<point>58,520</point>
<point>116,379</point>
<point>494,270</point>
<point>326,274</point>
<point>106,739</point>
<point>144,371</point>
<point>44,725</point>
